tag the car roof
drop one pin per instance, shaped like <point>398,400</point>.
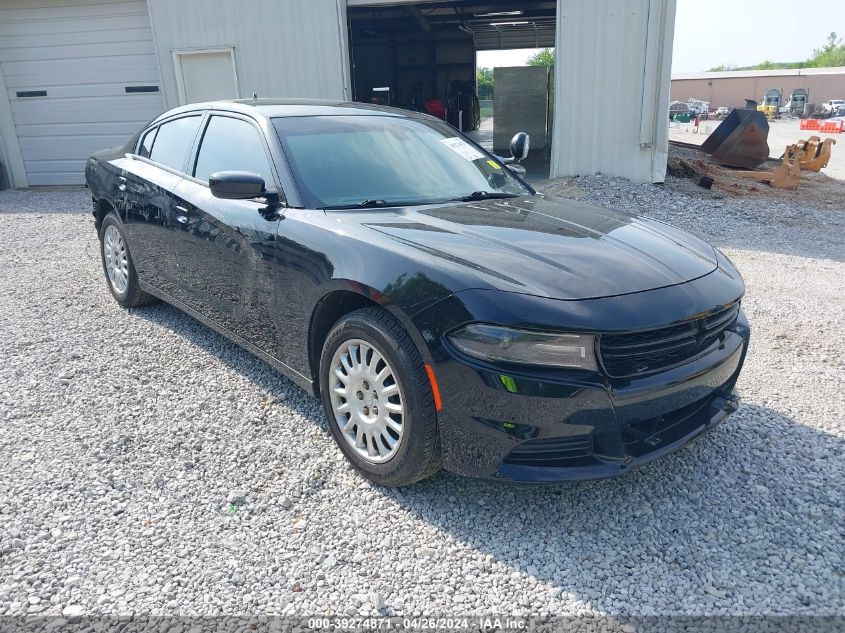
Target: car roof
<point>274,108</point>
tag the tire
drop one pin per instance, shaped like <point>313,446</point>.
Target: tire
<point>124,288</point>
<point>415,455</point>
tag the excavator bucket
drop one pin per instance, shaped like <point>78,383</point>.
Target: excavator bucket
<point>787,175</point>
<point>816,152</point>
<point>740,140</point>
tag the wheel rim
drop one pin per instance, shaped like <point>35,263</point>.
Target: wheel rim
<point>116,259</point>
<point>367,401</point>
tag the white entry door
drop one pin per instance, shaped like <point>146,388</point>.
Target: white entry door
<point>206,75</point>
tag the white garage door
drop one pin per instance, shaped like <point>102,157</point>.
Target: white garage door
<point>81,75</point>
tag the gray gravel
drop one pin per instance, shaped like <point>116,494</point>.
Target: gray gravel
<point>150,466</point>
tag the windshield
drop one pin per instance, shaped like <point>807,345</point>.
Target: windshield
<point>386,160</point>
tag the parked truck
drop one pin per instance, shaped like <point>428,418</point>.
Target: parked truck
<point>798,101</point>
<point>698,107</point>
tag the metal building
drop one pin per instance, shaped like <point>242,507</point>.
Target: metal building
<point>80,75</point>
<point>732,88</point>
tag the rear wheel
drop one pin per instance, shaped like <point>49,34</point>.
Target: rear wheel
<point>118,267</point>
<point>378,399</point>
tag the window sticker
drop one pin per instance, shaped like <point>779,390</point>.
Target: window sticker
<point>494,164</point>
<point>462,148</point>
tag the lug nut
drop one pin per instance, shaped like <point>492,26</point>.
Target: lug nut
<point>375,410</point>
<point>366,385</point>
<point>366,410</point>
<point>359,395</point>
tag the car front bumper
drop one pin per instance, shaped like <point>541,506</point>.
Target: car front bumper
<point>555,426</point>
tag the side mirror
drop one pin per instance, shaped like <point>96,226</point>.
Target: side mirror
<point>519,146</point>
<point>236,185</point>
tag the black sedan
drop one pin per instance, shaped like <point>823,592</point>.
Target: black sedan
<point>446,314</point>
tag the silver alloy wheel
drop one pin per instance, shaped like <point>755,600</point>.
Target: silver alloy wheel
<point>367,401</point>
<point>116,258</point>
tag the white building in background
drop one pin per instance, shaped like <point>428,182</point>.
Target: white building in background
<point>80,75</point>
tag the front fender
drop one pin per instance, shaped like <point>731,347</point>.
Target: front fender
<point>339,296</point>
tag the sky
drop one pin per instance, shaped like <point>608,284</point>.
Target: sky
<point>731,32</point>
<point>743,32</point>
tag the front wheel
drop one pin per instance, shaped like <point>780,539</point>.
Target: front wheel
<point>378,399</point>
<point>118,267</point>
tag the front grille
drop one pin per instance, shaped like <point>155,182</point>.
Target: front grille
<point>644,436</point>
<point>553,452</point>
<point>644,352</point>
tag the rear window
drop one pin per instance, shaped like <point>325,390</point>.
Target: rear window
<point>147,143</point>
<point>173,142</point>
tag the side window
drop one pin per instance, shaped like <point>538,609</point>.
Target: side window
<point>147,143</point>
<point>232,145</point>
<point>174,140</point>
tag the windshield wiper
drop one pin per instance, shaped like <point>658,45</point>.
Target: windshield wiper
<point>377,204</point>
<point>485,195</point>
<point>364,204</point>
<point>370,203</point>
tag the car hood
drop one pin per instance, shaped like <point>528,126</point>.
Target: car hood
<point>548,246</point>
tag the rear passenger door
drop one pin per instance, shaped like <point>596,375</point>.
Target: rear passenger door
<point>225,248</point>
<point>148,185</point>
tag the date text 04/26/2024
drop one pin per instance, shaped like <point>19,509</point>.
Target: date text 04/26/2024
<point>418,624</point>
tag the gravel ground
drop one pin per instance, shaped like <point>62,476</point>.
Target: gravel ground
<point>150,466</point>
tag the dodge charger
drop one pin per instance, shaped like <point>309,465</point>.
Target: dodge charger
<point>446,314</point>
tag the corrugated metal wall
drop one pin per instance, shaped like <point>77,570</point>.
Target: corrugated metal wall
<point>733,91</point>
<point>612,88</point>
<point>283,48</point>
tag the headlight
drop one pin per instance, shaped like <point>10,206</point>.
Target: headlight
<point>501,344</point>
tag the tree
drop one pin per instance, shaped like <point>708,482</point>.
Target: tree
<point>833,42</point>
<point>721,68</point>
<point>544,58</point>
<point>831,54</point>
<point>484,82</point>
